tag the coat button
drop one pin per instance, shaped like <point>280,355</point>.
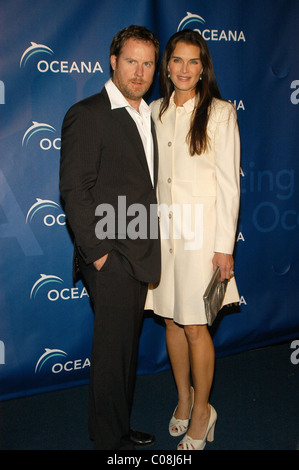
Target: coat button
<point>169,144</point>
<point>169,180</point>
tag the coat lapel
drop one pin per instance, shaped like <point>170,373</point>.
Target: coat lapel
<point>156,156</point>
<point>130,130</point>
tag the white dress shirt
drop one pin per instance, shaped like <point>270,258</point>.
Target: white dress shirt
<point>142,120</point>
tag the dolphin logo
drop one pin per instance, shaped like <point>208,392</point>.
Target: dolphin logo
<point>36,127</point>
<point>48,354</point>
<point>190,18</point>
<point>32,50</point>
<point>44,279</point>
<point>40,204</point>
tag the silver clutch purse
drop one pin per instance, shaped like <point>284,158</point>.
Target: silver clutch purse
<point>214,295</point>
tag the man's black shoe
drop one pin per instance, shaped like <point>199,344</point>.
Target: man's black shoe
<point>139,438</point>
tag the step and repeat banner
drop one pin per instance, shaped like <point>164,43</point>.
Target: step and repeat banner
<point>54,54</point>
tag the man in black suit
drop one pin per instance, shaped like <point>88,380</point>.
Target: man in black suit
<point>108,176</point>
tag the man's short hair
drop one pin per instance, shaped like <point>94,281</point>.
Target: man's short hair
<point>140,33</point>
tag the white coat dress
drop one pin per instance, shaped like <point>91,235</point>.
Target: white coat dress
<point>198,199</point>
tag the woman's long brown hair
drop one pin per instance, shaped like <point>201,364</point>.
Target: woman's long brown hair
<point>207,89</point>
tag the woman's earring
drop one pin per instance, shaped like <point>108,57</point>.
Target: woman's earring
<point>168,75</point>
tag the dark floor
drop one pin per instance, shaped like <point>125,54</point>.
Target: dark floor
<point>255,394</point>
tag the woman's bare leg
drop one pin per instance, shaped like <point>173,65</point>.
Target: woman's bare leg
<point>178,352</point>
<point>202,359</point>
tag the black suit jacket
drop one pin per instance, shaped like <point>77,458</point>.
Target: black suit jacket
<point>103,162</point>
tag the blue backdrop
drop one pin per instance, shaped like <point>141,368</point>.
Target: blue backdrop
<point>55,53</point>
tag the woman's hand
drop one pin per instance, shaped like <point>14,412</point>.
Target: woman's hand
<point>225,263</point>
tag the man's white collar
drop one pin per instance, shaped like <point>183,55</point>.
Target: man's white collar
<point>118,100</point>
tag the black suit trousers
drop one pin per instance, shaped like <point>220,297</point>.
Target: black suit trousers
<point>118,302</point>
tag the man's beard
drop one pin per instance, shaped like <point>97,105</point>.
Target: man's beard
<point>129,92</point>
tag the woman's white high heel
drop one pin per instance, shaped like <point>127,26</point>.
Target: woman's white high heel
<point>187,443</point>
<point>177,427</point>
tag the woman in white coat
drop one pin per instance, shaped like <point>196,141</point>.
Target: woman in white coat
<point>198,194</point>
